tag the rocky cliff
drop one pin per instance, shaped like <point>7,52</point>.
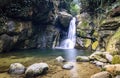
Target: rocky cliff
<point>27,24</point>
<point>101,34</point>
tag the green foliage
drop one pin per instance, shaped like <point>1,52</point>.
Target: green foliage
<point>84,23</point>
<point>72,6</point>
<point>74,9</point>
<point>116,59</point>
<point>82,33</point>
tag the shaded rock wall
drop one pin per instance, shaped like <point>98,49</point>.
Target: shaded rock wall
<point>14,34</point>
<point>27,24</point>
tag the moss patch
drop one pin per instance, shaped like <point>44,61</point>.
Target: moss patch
<point>87,43</point>
<point>95,45</point>
<point>116,59</point>
<point>113,41</point>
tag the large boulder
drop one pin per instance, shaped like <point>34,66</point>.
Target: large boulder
<point>99,56</point>
<point>118,76</point>
<point>114,69</point>
<point>16,68</point>
<point>64,18</point>
<point>36,69</point>
<point>103,74</point>
<point>82,59</point>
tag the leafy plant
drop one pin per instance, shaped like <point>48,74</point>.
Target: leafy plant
<point>74,9</point>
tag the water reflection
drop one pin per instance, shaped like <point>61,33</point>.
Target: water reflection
<point>71,54</point>
<point>68,54</point>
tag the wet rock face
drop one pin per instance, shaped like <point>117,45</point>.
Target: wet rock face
<point>46,36</point>
<point>64,18</point>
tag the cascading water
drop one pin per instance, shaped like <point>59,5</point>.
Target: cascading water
<point>69,43</point>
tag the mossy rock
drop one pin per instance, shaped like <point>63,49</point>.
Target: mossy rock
<point>82,59</point>
<point>95,34</point>
<point>116,59</point>
<point>113,43</point>
<point>82,33</point>
<point>100,58</point>
<point>83,24</point>
<point>113,69</point>
<point>87,43</point>
<point>95,45</point>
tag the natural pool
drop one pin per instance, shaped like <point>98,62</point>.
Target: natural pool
<point>28,57</point>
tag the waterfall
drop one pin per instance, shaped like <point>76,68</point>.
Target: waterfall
<point>69,43</point>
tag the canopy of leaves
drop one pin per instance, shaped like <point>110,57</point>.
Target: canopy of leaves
<point>93,7</point>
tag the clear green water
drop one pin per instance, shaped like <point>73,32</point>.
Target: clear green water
<point>45,53</point>
<point>28,57</point>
